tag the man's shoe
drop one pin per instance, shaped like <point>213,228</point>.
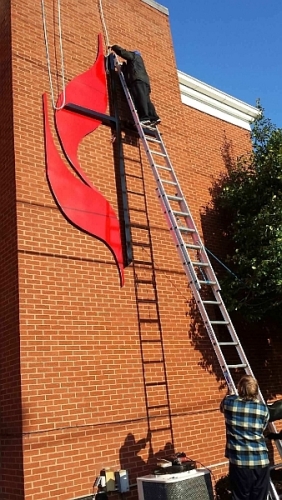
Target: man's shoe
<point>155,122</point>
<point>145,123</point>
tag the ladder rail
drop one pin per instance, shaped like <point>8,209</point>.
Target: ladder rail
<point>216,345</point>
<point>169,213</point>
<point>178,238</point>
<point>172,220</point>
<point>185,208</point>
<point>189,265</point>
<point>171,217</point>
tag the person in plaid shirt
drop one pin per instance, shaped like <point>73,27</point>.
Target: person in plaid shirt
<point>245,420</point>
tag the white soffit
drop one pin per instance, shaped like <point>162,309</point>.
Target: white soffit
<point>207,99</point>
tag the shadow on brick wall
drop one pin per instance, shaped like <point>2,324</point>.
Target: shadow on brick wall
<point>11,456</point>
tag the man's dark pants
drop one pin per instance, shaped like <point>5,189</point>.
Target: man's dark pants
<point>249,484</point>
<point>140,92</point>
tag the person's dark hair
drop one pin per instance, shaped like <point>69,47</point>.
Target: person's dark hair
<point>248,388</point>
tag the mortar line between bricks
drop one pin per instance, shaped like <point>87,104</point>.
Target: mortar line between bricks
<point>106,424</point>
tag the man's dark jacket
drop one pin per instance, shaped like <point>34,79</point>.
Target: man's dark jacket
<point>135,67</point>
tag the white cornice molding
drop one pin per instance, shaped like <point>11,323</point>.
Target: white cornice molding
<point>214,102</point>
<point>157,6</point>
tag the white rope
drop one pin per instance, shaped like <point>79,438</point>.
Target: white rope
<point>104,24</point>
<point>48,55</point>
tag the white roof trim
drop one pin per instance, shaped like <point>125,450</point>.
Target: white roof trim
<point>214,102</point>
<point>157,6</point>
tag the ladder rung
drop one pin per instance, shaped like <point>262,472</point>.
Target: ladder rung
<point>153,361</point>
<point>203,282</point>
<point>157,153</point>
<point>181,214</point>
<point>138,244</point>
<point>135,193</point>
<point>228,343</point>
<point>152,139</point>
<point>142,125</point>
<point>139,226</point>
<point>212,302</point>
<point>147,301</point>
<point>155,384</point>
<point>161,429</point>
<point>172,183</point>
<point>149,321</point>
<point>242,365</point>
<point>143,262</point>
<point>193,247</point>
<point>151,341</point>
<point>145,282</point>
<point>137,210</point>
<point>184,229</point>
<point>148,129</point>
<point>156,407</point>
<point>163,167</point>
<point>133,176</point>
<point>174,198</point>
<point>219,322</point>
<point>201,264</point>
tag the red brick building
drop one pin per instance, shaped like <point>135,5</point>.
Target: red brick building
<point>73,395</point>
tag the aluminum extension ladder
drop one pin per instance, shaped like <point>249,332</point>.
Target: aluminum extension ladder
<point>199,271</point>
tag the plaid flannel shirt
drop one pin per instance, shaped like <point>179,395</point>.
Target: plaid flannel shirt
<point>245,422</point>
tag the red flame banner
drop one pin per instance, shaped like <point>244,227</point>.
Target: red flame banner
<point>80,202</point>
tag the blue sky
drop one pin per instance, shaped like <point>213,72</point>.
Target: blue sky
<point>233,45</point>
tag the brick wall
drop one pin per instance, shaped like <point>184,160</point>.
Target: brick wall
<point>84,406</point>
<point>10,391</point>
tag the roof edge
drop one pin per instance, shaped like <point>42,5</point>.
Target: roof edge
<point>157,6</point>
<point>212,101</point>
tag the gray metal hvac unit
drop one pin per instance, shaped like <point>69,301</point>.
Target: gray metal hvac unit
<point>191,485</point>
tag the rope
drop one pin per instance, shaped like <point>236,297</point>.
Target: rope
<point>107,42</point>
<point>48,54</point>
<point>220,262</point>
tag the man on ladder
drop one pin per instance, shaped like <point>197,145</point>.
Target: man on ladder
<point>138,82</point>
